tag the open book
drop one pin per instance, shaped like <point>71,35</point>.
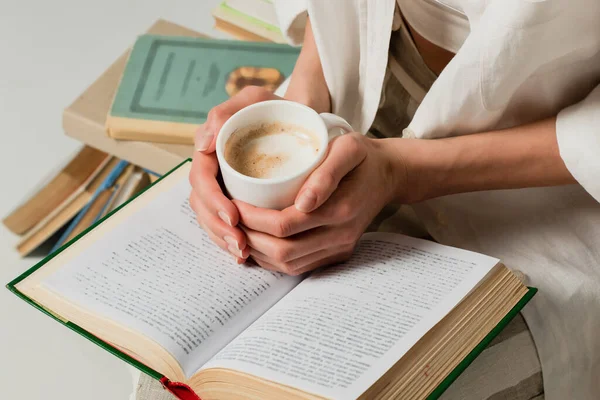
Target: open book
<point>402,316</point>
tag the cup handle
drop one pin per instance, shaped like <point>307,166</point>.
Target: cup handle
<point>336,125</point>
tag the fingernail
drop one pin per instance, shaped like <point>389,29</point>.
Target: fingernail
<point>232,242</point>
<point>225,217</point>
<point>306,201</point>
<point>235,251</point>
<point>203,139</point>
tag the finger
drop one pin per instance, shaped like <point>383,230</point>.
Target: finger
<point>221,243</point>
<point>203,178</point>
<point>218,240</point>
<point>233,237</point>
<point>251,262</point>
<point>332,260</point>
<point>293,267</point>
<point>345,153</point>
<point>283,250</point>
<point>206,134</point>
<point>204,139</point>
<point>268,266</point>
<point>276,223</point>
<point>248,95</point>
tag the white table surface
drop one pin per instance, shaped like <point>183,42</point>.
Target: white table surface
<point>50,52</point>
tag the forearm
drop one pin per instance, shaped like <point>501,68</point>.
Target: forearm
<point>524,156</point>
<point>307,85</point>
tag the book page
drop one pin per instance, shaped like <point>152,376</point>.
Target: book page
<point>159,274</point>
<point>342,328</point>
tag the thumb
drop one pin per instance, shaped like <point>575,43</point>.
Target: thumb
<point>346,153</point>
<point>204,140</point>
<point>206,134</point>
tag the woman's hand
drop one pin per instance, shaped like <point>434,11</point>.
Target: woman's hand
<point>215,213</point>
<point>333,208</point>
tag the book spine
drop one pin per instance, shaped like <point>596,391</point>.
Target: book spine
<point>149,172</point>
<point>110,180</point>
<point>114,190</point>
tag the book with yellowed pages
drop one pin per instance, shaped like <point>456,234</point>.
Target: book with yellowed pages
<point>132,185</point>
<point>401,319</point>
<point>123,182</point>
<point>59,190</point>
<point>170,83</point>
<point>99,202</point>
<point>60,216</point>
<point>84,189</point>
<point>85,119</point>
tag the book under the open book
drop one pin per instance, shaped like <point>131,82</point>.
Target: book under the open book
<point>401,319</point>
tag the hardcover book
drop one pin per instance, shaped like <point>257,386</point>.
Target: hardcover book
<point>171,83</point>
<point>58,191</point>
<point>402,318</point>
<point>85,119</point>
<point>60,216</point>
<point>100,200</point>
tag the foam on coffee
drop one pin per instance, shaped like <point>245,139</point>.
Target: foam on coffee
<point>271,150</point>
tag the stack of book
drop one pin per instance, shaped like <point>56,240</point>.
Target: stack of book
<point>88,187</point>
<point>140,116</point>
<point>147,105</point>
<point>253,20</point>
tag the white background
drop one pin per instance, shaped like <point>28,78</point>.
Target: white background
<point>50,51</point>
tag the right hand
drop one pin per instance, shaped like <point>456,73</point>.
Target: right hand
<point>215,213</point>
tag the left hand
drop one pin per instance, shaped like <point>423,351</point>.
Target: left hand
<point>356,180</point>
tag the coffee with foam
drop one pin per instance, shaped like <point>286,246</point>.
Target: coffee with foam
<point>271,150</point>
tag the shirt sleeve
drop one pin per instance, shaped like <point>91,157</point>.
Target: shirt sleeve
<point>292,16</point>
<point>578,135</point>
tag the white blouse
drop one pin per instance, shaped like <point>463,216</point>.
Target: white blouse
<point>523,60</point>
<point>442,22</point>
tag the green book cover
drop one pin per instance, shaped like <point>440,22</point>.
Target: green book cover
<point>174,80</point>
<point>158,376</point>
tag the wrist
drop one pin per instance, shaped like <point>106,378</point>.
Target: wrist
<point>315,96</point>
<point>421,168</point>
<point>307,85</point>
<point>397,168</point>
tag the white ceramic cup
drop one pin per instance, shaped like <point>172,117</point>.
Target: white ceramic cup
<point>276,193</point>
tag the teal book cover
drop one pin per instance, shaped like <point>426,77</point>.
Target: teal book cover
<point>170,83</point>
